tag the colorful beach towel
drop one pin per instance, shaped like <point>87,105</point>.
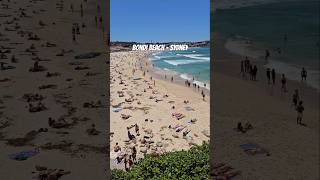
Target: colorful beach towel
<point>24,155</point>
<point>253,149</point>
<point>117,109</point>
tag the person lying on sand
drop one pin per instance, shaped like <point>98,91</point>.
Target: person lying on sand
<point>60,123</point>
<point>38,108</point>
<point>186,132</point>
<point>51,174</point>
<point>178,116</point>
<point>98,104</point>
<point>37,68</point>
<point>33,97</point>
<point>116,148</point>
<point>3,56</point>
<point>52,74</point>
<point>130,136</point>
<point>244,128</point>
<point>92,130</point>
<point>124,116</point>
<point>48,44</point>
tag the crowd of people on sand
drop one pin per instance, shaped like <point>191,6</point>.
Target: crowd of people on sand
<point>139,143</point>
<point>248,68</point>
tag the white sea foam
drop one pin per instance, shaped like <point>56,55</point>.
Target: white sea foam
<point>185,76</point>
<point>239,46</point>
<point>196,56</point>
<point>199,83</point>
<point>182,62</point>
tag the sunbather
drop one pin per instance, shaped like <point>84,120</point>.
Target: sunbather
<point>116,148</point>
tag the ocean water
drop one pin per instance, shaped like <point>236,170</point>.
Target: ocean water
<point>265,26</point>
<point>191,64</point>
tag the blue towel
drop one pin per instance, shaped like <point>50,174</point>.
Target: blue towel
<point>24,155</point>
<point>117,109</point>
<point>249,146</point>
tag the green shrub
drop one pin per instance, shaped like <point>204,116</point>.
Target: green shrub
<point>191,164</point>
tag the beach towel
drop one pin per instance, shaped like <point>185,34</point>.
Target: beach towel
<point>188,108</point>
<point>24,155</point>
<point>253,149</point>
<point>117,109</point>
<point>87,55</point>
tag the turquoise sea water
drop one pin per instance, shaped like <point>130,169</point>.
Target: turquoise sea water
<point>193,63</point>
<point>266,27</point>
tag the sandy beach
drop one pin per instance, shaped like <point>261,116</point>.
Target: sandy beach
<point>170,116</point>
<point>45,73</point>
<point>288,150</point>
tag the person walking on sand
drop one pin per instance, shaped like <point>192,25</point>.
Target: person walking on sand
<point>247,65</point>
<point>171,78</point>
<point>81,10</point>
<point>78,29</point>
<point>299,110</point>
<point>284,83</point>
<point>242,69</point>
<point>273,75</point>
<point>71,7</point>
<point>251,72</point>
<point>303,74</point>
<point>255,71</point>
<point>74,37</point>
<point>268,75</point>
<point>267,55</point>
<point>295,97</point>
<point>100,20</point>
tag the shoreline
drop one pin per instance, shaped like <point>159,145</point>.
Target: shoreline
<point>228,60</point>
<point>160,74</point>
<point>292,71</point>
